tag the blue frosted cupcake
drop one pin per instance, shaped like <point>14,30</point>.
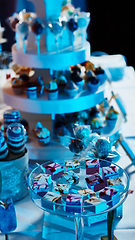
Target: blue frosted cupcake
<point>100,74</point>
<point>111,117</point>
<point>61,81</point>
<point>31,90</point>
<point>92,83</point>
<point>71,89</point>
<point>16,137</point>
<point>3,149</point>
<point>51,88</point>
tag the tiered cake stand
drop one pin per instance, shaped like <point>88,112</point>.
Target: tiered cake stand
<point>58,60</point>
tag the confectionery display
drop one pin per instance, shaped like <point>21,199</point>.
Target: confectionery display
<point>89,183</point>
<point>84,191</point>
<point>92,120</point>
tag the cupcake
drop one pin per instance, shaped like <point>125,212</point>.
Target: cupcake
<point>104,106</point>
<point>11,116</point>
<point>51,89</point>
<point>43,136</point>
<point>3,149</point>
<point>64,136</point>
<point>96,113</point>
<point>71,89</point>
<point>16,137</point>
<point>82,116</point>
<point>25,78</point>
<point>31,90</point>
<point>77,79</point>
<point>37,128</point>
<point>17,85</point>
<point>76,69</point>
<point>96,125</point>
<point>61,81</point>
<point>111,117</point>
<point>92,83</point>
<point>101,75</point>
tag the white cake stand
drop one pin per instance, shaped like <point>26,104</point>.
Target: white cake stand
<point>55,61</point>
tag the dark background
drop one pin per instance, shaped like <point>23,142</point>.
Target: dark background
<point>111,30</point>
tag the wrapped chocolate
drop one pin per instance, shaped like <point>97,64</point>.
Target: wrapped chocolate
<point>102,148</point>
<point>81,132</point>
<point>76,146</point>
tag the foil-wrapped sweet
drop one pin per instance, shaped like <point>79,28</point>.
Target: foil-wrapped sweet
<point>76,146</point>
<point>81,131</point>
<point>102,148</point>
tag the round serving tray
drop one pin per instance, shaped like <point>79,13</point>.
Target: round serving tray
<point>56,61</point>
<point>85,212</point>
<point>64,104</point>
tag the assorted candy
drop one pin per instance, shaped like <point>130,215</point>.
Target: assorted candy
<point>68,21</point>
<point>91,188</point>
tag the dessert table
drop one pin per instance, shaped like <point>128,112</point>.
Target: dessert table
<point>30,217</point>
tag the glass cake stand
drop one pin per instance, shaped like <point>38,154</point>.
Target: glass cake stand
<point>83,211</point>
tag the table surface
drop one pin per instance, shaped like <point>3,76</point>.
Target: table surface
<point>30,217</point>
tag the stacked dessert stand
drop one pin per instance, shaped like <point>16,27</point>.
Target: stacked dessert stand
<point>81,212</point>
<point>84,100</point>
<point>56,60</point>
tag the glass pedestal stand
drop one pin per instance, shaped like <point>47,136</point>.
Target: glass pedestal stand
<point>75,211</point>
<point>79,227</point>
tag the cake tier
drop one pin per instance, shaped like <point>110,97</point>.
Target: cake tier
<point>55,61</point>
<point>64,104</point>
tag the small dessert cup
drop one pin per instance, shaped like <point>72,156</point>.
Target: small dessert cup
<point>52,95</point>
